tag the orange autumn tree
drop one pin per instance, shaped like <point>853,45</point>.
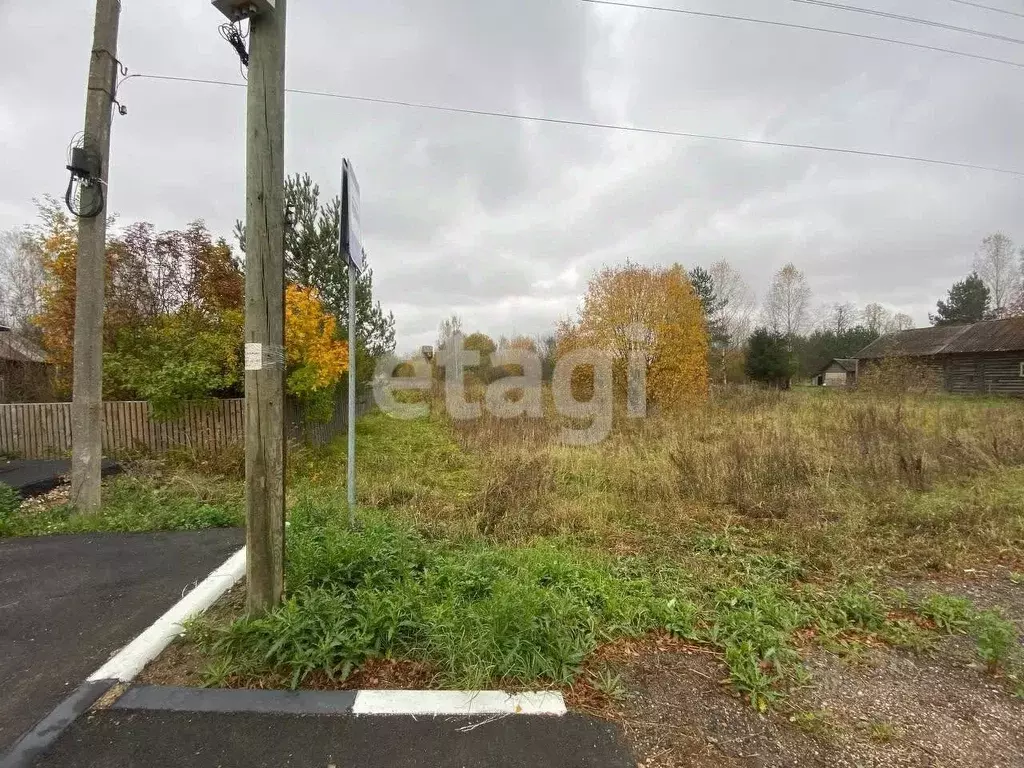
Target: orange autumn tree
<point>174,316</point>
<point>58,244</point>
<point>316,359</point>
<point>649,312</point>
<point>56,239</point>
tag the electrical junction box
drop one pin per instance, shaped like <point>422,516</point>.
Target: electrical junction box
<point>236,10</point>
<point>84,164</point>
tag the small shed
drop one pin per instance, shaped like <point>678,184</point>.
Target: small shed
<point>25,371</point>
<point>981,358</point>
<point>840,372</point>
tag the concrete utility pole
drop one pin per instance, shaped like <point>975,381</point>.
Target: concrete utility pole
<point>90,272</point>
<point>264,312</point>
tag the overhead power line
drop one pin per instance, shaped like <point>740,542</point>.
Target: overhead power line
<point>910,19</point>
<point>988,8</point>
<point>806,27</point>
<point>602,126</point>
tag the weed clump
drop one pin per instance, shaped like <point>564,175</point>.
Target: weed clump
<point>478,613</point>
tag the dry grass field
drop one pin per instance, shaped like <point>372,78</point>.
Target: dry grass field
<point>844,481</point>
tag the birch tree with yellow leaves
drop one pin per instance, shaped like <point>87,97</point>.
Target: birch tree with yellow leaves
<point>631,311</point>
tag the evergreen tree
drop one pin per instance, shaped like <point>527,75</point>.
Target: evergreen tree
<point>968,302</point>
<point>312,261</point>
<point>770,358</point>
<point>712,304</point>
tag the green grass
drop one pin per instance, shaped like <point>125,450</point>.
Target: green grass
<point>996,639</point>
<point>477,612</point>
<point>491,565</point>
<point>482,613</point>
<point>402,466</point>
<point>882,732</point>
<point>136,504</point>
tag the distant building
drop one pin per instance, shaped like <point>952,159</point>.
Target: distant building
<point>840,372</point>
<point>981,358</point>
<point>25,372</point>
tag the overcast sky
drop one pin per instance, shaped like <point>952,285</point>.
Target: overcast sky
<point>504,221</point>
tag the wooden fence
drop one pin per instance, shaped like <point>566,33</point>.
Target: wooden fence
<point>43,430</point>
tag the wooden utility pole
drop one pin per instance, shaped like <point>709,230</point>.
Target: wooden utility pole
<point>90,271</point>
<point>264,312</point>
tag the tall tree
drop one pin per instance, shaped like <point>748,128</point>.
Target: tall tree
<point>840,318</point>
<point>787,305</point>
<point>312,260</point>
<point>21,280</point>
<point>739,302</point>
<point>902,322</point>
<point>653,314</point>
<point>56,239</point>
<point>996,264</point>
<point>968,302</point>
<point>770,358</point>
<point>712,303</point>
<point>447,329</point>
<point>877,319</point>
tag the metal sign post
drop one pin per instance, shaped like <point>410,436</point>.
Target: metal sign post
<point>352,250</point>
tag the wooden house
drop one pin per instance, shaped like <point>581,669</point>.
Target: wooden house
<point>981,358</point>
<point>840,372</point>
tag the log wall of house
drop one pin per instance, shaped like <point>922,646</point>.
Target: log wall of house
<point>987,374</point>
<point>977,374</point>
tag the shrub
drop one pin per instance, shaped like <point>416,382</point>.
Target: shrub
<point>996,638</point>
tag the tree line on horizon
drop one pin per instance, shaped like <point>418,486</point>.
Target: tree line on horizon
<point>781,348</point>
<point>174,312</point>
<point>784,337</point>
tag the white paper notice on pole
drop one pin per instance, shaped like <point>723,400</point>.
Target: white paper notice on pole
<point>261,356</point>
<point>253,357</point>
<point>351,229</point>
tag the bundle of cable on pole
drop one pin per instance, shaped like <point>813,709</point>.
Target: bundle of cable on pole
<point>84,165</point>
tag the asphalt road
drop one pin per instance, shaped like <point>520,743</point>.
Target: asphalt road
<point>32,477</point>
<point>68,602</point>
<point>137,739</point>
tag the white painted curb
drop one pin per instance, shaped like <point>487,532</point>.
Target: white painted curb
<point>130,660</point>
<point>458,703</point>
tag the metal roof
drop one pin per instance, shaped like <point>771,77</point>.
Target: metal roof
<point>985,336</point>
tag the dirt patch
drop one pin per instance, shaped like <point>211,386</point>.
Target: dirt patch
<point>182,664</point>
<point>894,708</point>
<point>57,497</point>
<point>678,712</point>
<point>890,708</point>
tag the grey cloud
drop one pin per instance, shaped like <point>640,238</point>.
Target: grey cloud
<point>505,221</point>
